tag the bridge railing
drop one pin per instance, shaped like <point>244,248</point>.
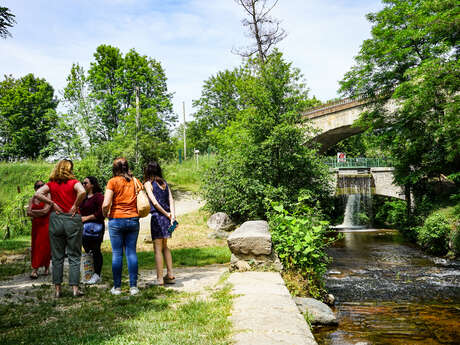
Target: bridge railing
<point>359,162</point>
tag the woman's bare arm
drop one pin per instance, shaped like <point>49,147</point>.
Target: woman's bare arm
<point>172,206</point>
<point>148,189</point>
<point>41,212</point>
<point>80,190</point>
<point>43,194</point>
<point>108,196</point>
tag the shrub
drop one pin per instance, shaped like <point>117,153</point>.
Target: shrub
<point>300,239</point>
<point>433,236</point>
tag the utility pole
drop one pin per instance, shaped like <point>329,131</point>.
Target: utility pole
<point>185,143</point>
<point>137,123</point>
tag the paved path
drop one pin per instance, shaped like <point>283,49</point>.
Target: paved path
<point>264,312</point>
<point>185,202</point>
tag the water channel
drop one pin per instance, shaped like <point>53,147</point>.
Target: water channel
<point>387,290</point>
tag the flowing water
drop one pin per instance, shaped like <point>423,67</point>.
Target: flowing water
<point>356,193</point>
<point>389,292</point>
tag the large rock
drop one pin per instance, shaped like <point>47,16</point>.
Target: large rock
<point>220,221</point>
<point>319,312</point>
<point>251,238</point>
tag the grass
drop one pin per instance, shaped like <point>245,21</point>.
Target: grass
<point>22,175</point>
<point>14,256</point>
<point>188,175</point>
<point>155,316</point>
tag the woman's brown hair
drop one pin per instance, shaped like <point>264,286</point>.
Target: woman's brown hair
<point>62,171</point>
<point>121,168</point>
<point>152,172</point>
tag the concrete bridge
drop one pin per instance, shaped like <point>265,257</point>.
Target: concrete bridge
<point>381,180</point>
<point>334,121</point>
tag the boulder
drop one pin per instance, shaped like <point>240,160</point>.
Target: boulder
<point>220,221</point>
<point>320,313</point>
<point>251,238</point>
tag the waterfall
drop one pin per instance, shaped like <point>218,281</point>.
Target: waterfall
<point>356,192</point>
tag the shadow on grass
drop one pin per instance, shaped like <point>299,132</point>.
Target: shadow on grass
<point>98,317</point>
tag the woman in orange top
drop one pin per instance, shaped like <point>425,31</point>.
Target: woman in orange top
<point>120,198</point>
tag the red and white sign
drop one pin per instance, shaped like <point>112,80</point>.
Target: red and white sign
<point>341,157</point>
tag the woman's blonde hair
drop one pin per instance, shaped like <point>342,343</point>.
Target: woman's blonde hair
<point>62,171</point>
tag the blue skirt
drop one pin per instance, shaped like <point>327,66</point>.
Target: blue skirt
<point>159,225</point>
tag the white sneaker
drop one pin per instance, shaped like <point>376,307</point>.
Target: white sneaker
<point>115,291</point>
<point>94,279</point>
<point>133,290</point>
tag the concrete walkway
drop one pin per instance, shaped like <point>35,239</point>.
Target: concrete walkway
<point>264,312</point>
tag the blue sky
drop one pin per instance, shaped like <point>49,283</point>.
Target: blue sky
<point>191,38</point>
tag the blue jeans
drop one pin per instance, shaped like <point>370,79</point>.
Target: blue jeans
<point>123,235</point>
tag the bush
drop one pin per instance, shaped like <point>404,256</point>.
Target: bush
<point>300,240</point>
<point>433,236</point>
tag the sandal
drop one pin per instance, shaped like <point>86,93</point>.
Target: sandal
<point>34,275</point>
<point>78,293</point>
<point>168,280</point>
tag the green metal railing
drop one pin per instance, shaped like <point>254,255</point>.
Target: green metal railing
<point>359,162</point>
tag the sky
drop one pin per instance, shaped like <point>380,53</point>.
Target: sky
<point>193,39</point>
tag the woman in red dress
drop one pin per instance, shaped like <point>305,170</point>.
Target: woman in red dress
<point>41,251</point>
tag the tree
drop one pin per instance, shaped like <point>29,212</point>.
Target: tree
<point>113,80</point>
<point>101,103</point>
<point>412,60</point>
<point>265,30</point>
<point>264,154</point>
<point>217,107</point>
<point>6,21</point>
<point>80,105</point>
<point>27,116</point>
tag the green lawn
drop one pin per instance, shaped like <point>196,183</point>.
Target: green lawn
<point>155,316</point>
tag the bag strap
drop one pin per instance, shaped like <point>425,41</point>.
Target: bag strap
<point>138,186</point>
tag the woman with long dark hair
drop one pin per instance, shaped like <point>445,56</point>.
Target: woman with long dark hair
<point>120,197</point>
<point>65,227</point>
<point>93,224</point>
<point>163,216</point>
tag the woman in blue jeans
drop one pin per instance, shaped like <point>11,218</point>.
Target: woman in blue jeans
<point>120,199</point>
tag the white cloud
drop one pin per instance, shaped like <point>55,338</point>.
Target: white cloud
<point>191,38</point>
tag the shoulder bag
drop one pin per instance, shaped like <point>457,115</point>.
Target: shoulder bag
<point>143,205</point>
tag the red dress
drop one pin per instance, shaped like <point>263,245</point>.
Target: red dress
<point>41,251</point>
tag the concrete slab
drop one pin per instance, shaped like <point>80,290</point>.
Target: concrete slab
<point>265,313</point>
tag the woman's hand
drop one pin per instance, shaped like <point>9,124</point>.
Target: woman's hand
<point>57,209</point>
<point>73,210</point>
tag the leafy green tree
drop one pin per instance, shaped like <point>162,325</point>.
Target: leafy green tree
<point>6,21</point>
<point>101,105</point>
<point>27,116</point>
<point>65,140</point>
<point>264,154</point>
<point>411,62</point>
<point>217,107</point>
<point>81,108</point>
<point>113,81</point>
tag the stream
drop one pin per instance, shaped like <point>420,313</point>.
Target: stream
<point>389,292</point>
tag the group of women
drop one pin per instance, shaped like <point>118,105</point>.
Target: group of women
<point>67,214</point>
